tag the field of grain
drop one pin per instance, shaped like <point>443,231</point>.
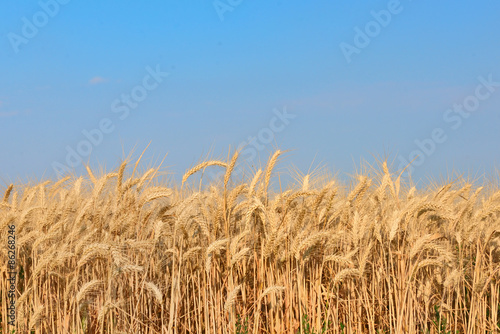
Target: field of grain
<point>123,253</point>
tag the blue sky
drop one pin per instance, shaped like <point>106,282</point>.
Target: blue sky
<point>354,80</point>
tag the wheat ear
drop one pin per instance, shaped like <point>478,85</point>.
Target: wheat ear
<point>91,175</point>
<point>269,169</point>
<point>119,181</point>
<point>7,193</point>
<point>230,169</point>
<point>87,288</point>
<point>231,298</point>
<point>201,166</point>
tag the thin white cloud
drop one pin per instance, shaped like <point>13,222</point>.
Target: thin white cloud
<point>97,80</point>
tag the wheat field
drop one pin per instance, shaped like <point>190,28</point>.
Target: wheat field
<point>123,253</point>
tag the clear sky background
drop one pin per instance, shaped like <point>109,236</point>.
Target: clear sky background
<point>352,87</point>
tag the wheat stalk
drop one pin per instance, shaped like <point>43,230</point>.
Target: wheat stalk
<point>144,256</point>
